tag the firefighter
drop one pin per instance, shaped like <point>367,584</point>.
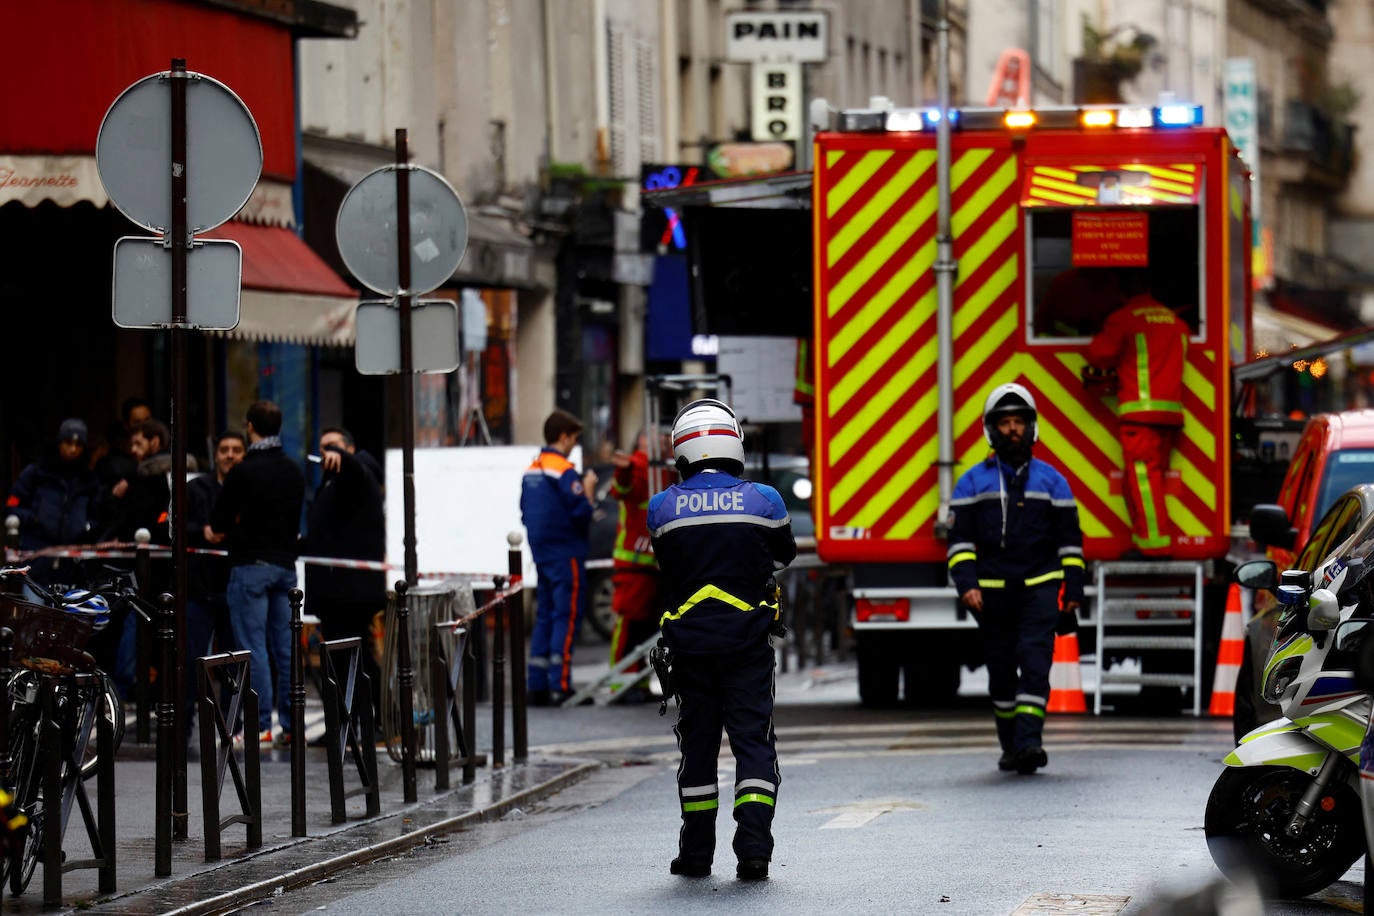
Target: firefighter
<point>1016,558</point>
<point>1146,344</point>
<point>719,540</point>
<point>635,599</point>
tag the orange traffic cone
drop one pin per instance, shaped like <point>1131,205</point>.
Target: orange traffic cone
<point>1066,681</point>
<point>1228,657</point>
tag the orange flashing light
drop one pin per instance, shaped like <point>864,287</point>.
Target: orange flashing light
<point>1019,120</point>
<point>1097,117</point>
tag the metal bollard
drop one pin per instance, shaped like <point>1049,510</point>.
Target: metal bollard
<point>515,565</point>
<point>12,533</point>
<point>297,599</point>
<point>405,684</point>
<point>166,713</point>
<point>143,639</point>
<point>498,677</point>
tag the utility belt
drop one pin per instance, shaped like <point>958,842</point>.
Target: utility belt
<point>661,655</point>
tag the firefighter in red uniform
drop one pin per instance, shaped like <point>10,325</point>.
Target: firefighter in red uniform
<point>1146,344</point>
<point>635,600</point>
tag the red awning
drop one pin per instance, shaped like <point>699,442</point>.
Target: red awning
<point>1110,184</point>
<point>277,259</point>
<point>65,63</point>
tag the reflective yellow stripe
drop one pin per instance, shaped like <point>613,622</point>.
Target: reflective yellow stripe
<point>710,591</point>
<point>992,583</point>
<point>1049,576</point>
<point>1030,711</point>
<point>1004,713</point>
<point>1149,404</point>
<point>1074,561</point>
<point>754,797</point>
<point>962,556</point>
<point>633,556</point>
<point>700,805</point>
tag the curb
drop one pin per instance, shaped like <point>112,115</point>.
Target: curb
<point>241,897</point>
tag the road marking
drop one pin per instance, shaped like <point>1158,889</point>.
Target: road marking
<point>1078,904</point>
<point>855,815</point>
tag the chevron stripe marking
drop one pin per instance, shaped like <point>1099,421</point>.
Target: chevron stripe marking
<point>870,415</point>
<point>853,181</point>
<point>877,210</point>
<point>859,484</point>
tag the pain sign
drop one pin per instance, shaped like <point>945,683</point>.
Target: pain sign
<point>771,37</point>
<point>1118,239</point>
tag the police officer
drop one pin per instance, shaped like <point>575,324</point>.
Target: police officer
<point>1015,550</point>
<point>719,540</point>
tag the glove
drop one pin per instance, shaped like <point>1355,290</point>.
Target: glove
<point>1067,623</point>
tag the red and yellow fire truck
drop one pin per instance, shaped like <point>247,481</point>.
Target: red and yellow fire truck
<point>1043,206</point>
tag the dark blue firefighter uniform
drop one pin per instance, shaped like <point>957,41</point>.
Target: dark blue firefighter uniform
<point>556,514</point>
<point>719,540</point>
<point>1016,538</point>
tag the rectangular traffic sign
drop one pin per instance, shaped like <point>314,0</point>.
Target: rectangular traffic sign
<point>433,335</point>
<point>143,284</point>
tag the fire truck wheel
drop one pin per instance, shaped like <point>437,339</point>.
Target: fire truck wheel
<point>878,670</point>
<point>931,682</point>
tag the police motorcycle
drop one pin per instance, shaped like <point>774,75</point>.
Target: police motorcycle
<point>1287,809</point>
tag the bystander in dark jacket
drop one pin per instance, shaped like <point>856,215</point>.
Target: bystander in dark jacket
<point>259,510</point>
<point>56,499</point>
<point>347,522</point>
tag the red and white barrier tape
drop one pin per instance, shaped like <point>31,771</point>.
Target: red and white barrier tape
<point>127,551</point>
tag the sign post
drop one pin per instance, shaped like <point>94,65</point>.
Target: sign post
<point>403,235</point>
<point>190,125</point>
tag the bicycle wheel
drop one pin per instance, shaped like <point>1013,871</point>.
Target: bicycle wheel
<point>113,709</point>
<point>28,843</point>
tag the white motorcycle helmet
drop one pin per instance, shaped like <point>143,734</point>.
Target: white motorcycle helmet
<point>1009,398</point>
<point>706,434</point>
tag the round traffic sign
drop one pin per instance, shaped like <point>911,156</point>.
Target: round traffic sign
<point>133,152</point>
<point>366,230</point>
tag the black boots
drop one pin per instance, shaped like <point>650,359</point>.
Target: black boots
<point>1030,759</point>
<point>690,869</point>
<point>752,870</point>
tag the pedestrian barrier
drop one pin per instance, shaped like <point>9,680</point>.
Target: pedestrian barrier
<point>221,712</point>
<point>1229,656</point>
<point>1066,677</point>
<point>348,725</point>
<point>296,597</point>
<point>62,746</point>
<point>451,683</point>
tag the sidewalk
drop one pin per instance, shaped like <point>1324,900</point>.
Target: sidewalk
<point>283,861</point>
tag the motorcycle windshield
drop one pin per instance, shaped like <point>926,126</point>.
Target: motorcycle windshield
<point>1348,566</point>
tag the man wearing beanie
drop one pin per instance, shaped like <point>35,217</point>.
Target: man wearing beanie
<point>56,498</point>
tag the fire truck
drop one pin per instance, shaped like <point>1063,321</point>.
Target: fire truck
<point>1042,207</point>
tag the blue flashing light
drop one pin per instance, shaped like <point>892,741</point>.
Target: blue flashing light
<point>932,116</point>
<point>1178,116</point>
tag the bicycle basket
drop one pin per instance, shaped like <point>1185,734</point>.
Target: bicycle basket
<point>46,639</point>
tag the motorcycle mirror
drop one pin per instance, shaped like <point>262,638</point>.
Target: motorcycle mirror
<point>1270,527</point>
<point>1324,611</point>
<point>1261,574</point>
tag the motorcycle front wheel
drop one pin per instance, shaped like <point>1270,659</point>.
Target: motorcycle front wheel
<point>1247,814</point>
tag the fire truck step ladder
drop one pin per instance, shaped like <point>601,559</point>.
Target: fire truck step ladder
<point>1145,607</point>
<point>615,684</point>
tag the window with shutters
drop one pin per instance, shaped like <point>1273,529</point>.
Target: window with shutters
<point>634,99</point>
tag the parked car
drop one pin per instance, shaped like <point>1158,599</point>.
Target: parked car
<point>790,475</point>
<point>1321,501</point>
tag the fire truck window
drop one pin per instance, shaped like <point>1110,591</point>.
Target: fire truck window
<point>1071,301</point>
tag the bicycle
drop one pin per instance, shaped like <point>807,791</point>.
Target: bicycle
<point>56,682</point>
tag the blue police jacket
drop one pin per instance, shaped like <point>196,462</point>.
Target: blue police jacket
<point>1015,527</point>
<point>554,508</point>
<point>718,540</point>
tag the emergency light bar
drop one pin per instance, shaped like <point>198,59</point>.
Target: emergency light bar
<point>1091,117</point>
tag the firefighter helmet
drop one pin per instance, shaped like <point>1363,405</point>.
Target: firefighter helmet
<point>1005,399</point>
<point>706,432</point>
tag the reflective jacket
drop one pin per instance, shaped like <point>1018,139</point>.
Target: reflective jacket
<point>1015,527</point>
<point>719,540</point>
<point>1146,343</point>
<point>554,508</point>
<point>630,485</point>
